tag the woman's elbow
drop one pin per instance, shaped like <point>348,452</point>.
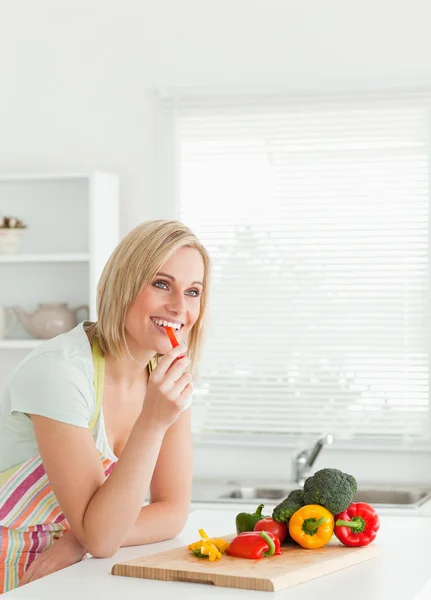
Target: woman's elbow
<point>100,548</point>
<point>179,523</point>
<point>102,553</point>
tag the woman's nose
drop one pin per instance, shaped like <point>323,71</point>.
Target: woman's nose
<point>177,303</point>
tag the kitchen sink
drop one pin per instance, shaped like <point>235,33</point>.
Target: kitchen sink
<point>402,497</point>
<point>250,493</point>
<point>393,497</point>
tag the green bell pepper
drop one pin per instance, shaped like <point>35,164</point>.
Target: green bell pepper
<point>246,521</point>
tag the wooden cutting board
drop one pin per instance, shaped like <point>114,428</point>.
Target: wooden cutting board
<point>269,574</point>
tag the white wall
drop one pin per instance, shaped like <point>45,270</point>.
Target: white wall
<point>76,76</point>
<point>76,81</point>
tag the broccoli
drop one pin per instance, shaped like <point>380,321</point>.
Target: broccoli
<point>330,488</point>
<point>283,511</point>
<point>352,482</point>
<point>297,496</point>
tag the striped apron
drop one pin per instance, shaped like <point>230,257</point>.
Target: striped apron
<point>30,516</point>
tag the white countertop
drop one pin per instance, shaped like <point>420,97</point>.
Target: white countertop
<point>402,572</point>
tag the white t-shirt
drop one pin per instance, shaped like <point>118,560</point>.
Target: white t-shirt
<point>56,380</point>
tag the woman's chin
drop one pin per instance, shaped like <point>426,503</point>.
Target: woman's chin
<point>161,347</point>
<point>139,345</point>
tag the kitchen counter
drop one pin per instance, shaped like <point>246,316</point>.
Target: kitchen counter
<point>402,572</point>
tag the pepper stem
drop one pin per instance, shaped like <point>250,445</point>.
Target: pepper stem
<point>353,524</point>
<point>313,526</point>
<point>258,512</point>
<point>270,543</point>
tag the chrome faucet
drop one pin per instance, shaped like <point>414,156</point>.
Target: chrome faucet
<point>306,458</point>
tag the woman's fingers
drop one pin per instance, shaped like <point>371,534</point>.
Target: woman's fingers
<point>168,360</point>
<point>176,370</point>
<point>26,578</point>
<point>168,387</point>
<point>182,389</point>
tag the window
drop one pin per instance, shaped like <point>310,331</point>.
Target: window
<point>316,215</point>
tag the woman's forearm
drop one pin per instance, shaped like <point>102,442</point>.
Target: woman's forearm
<point>157,522</point>
<point>114,509</point>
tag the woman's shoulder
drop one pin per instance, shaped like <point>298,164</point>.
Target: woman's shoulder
<point>67,351</point>
<point>67,354</point>
<point>56,380</point>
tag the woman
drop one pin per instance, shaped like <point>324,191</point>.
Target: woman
<point>107,394</point>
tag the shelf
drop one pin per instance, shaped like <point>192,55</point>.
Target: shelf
<point>35,258</point>
<point>18,177</point>
<point>55,264</point>
<point>18,344</point>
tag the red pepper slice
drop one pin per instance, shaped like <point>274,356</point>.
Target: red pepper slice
<point>254,545</point>
<point>171,336</point>
<point>173,339</point>
<point>357,525</point>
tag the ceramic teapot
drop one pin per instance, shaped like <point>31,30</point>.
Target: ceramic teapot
<point>49,319</point>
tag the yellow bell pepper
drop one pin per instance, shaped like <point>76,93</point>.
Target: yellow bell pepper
<point>213,548</point>
<point>311,526</point>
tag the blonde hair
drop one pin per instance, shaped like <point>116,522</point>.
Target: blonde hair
<point>133,265</point>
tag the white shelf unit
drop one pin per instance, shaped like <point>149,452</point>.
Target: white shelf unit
<point>41,258</point>
<point>73,226</point>
<point>19,344</point>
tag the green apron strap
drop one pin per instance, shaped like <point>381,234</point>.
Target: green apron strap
<point>99,374</point>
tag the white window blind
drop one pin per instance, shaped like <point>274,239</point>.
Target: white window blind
<point>316,215</point>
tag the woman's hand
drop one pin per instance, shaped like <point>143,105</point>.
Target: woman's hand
<point>169,389</point>
<point>64,552</point>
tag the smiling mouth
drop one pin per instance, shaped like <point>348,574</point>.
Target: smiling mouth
<point>160,324</point>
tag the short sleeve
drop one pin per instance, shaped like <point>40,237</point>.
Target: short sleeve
<point>52,386</point>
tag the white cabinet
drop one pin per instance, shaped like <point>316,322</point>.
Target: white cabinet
<point>72,228</point>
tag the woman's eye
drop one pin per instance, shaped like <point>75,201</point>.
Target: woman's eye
<point>163,285</point>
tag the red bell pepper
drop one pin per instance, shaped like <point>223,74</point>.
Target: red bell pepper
<point>357,525</point>
<point>254,544</point>
<point>268,524</point>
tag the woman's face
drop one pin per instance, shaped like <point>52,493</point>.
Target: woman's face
<point>173,297</point>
